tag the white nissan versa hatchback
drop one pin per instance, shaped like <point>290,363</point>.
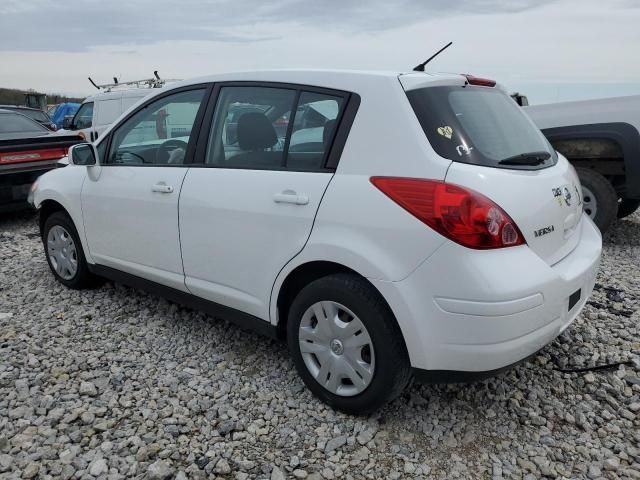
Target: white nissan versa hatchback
<point>387,225</point>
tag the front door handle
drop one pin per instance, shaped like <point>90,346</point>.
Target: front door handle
<point>162,188</point>
<point>289,196</point>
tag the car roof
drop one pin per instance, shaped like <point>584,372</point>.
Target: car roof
<point>328,78</point>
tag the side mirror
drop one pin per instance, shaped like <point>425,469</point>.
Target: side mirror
<point>67,123</point>
<point>83,154</point>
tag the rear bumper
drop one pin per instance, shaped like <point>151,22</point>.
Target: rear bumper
<point>465,310</point>
<point>15,182</point>
<point>14,190</point>
<point>460,376</point>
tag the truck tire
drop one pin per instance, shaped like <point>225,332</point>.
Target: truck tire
<point>627,207</point>
<point>599,198</point>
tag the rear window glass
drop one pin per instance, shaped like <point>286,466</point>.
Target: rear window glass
<point>478,125</point>
<point>15,123</point>
<point>36,115</point>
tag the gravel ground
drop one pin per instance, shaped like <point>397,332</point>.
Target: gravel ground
<point>114,383</point>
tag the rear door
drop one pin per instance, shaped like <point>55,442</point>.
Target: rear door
<point>250,207</point>
<point>497,151</point>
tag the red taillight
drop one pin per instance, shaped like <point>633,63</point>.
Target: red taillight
<point>482,82</point>
<point>458,213</point>
<point>33,155</point>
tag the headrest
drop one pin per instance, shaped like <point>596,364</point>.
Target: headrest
<point>255,132</point>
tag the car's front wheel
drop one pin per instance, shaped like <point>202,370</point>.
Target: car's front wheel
<point>346,344</point>
<point>64,252</point>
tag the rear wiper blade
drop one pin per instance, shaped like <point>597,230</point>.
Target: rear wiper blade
<point>531,158</point>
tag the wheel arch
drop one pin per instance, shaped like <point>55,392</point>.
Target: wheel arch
<point>50,200</point>
<point>611,149</point>
<point>294,280</point>
<point>48,207</point>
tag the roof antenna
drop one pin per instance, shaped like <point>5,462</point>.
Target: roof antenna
<point>93,83</point>
<point>420,67</point>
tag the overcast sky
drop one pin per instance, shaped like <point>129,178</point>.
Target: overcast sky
<point>549,49</point>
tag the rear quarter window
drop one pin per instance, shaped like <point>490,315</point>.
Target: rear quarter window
<point>477,125</point>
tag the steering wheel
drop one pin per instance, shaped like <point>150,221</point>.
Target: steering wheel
<point>165,150</point>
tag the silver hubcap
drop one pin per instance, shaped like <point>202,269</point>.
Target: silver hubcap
<point>336,348</point>
<point>62,252</point>
<point>589,202</point>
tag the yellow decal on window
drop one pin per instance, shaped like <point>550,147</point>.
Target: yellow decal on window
<point>446,131</point>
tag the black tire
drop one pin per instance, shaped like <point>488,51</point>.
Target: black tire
<point>627,207</point>
<point>605,196</point>
<point>392,369</point>
<point>83,277</point>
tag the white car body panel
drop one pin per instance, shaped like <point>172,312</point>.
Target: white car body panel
<point>64,186</point>
<point>457,308</point>
<point>247,236</point>
<point>135,231</point>
<point>527,197</point>
<point>509,324</point>
<point>585,112</point>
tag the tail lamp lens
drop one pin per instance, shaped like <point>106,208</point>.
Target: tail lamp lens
<point>460,214</point>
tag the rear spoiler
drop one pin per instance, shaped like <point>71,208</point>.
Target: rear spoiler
<point>40,143</point>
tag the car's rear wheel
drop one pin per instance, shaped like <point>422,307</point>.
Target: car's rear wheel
<point>64,252</point>
<point>599,198</point>
<point>627,207</point>
<point>346,344</point>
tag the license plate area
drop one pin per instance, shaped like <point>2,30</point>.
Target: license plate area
<point>574,298</point>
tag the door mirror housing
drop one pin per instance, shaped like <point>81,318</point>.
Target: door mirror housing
<point>83,154</point>
<point>67,122</point>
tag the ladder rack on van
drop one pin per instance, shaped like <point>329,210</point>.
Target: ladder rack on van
<point>155,82</point>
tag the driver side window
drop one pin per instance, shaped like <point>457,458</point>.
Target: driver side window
<point>157,134</point>
<point>84,116</point>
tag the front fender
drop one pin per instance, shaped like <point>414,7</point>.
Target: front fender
<point>64,186</point>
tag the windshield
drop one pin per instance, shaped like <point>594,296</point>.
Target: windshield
<point>16,123</point>
<point>480,126</point>
<point>84,116</point>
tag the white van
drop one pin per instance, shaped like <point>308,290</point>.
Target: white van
<point>99,111</point>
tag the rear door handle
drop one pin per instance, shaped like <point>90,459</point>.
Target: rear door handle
<point>162,188</point>
<point>289,196</point>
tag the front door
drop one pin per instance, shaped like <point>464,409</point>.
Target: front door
<point>250,208</point>
<point>130,200</point>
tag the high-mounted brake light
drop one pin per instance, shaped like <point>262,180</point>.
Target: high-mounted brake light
<point>33,155</point>
<point>481,82</point>
<point>460,214</point>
